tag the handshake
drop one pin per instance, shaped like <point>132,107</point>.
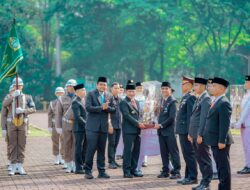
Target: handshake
<point>149,126</point>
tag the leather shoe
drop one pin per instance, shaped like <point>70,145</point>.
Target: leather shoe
<point>245,170</point>
<point>89,175</point>
<point>112,166</point>
<point>203,187</point>
<point>79,172</point>
<point>163,175</point>
<point>103,175</point>
<point>118,165</point>
<point>189,181</point>
<point>175,176</point>
<point>128,175</point>
<point>137,174</point>
<point>180,181</point>
<point>215,176</point>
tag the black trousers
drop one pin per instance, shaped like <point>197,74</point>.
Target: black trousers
<point>168,147</point>
<point>113,140</point>
<point>189,157</point>
<point>80,149</point>
<point>131,153</point>
<point>222,160</point>
<point>96,142</point>
<point>204,160</point>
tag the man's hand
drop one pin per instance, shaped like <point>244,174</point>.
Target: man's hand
<point>142,126</point>
<point>157,126</point>
<point>20,110</point>
<point>190,139</point>
<point>17,93</point>
<point>105,106</point>
<point>221,146</point>
<point>199,139</point>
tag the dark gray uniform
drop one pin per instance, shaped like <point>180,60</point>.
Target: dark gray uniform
<point>182,128</point>
<point>217,131</point>
<point>79,132</point>
<point>131,138</point>
<point>166,133</point>
<point>96,130</point>
<point>196,127</point>
<point>116,121</point>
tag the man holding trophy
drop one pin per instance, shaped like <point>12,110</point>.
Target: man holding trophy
<point>167,110</point>
<point>131,129</point>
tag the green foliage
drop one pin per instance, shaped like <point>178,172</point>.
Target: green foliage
<point>123,39</point>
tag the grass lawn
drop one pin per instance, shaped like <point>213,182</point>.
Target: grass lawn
<point>34,132</point>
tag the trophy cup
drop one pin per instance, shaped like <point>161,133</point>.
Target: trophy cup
<point>152,95</point>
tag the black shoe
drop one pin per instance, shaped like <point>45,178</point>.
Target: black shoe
<point>88,176</point>
<point>245,170</point>
<point>103,175</point>
<point>79,172</point>
<point>172,172</point>
<point>163,175</point>
<point>203,187</point>
<point>128,175</point>
<point>215,176</point>
<point>144,164</point>
<point>112,166</point>
<point>196,187</point>
<point>118,165</point>
<point>175,176</point>
<point>189,181</point>
<point>180,181</point>
<point>137,174</point>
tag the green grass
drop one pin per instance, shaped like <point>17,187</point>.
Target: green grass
<point>235,131</point>
<point>34,132</point>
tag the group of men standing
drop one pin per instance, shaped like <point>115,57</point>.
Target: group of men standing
<point>81,123</point>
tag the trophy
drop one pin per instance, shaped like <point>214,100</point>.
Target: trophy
<point>152,94</point>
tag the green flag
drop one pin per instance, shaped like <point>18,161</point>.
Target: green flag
<point>12,55</point>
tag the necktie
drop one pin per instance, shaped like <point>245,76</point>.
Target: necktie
<point>102,99</point>
<point>212,104</point>
<point>134,104</point>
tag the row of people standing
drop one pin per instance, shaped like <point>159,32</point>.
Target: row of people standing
<point>194,124</point>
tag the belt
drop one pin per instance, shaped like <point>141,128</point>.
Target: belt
<point>67,120</point>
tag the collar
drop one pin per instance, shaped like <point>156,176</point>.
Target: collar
<point>202,94</point>
<point>219,97</point>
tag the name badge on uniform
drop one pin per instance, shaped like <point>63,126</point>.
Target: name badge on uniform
<point>166,109</point>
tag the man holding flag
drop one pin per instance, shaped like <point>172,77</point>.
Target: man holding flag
<point>18,104</point>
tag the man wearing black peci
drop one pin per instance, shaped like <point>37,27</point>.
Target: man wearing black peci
<point>166,132</point>
<point>217,132</point>
<point>98,107</point>
<point>80,115</point>
<point>196,132</point>
<point>182,126</point>
<point>131,129</point>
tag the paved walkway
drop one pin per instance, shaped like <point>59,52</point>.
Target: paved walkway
<point>42,174</point>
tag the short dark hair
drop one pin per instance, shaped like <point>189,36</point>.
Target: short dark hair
<point>114,83</point>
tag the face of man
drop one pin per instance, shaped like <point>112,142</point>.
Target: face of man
<point>199,88</point>
<point>166,91</point>
<point>20,87</point>
<point>139,89</point>
<point>121,91</point>
<point>80,92</point>
<point>101,86</point>
<point>130,93</point>
<point>59,94</point>
<point>84,92</point>
<point>247,85</point>
<point>218,89</point>
<point>186,86</point>
<point>210,88</point>
<point>116,90</point>
<point>70,89</point>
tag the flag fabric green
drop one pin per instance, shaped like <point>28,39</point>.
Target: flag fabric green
<point>12,55</point>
